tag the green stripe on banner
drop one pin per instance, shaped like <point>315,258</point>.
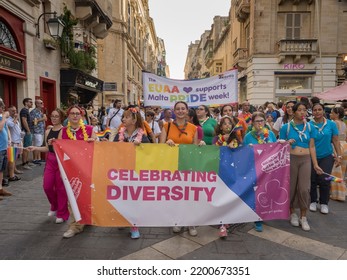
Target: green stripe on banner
<point>195,158</point>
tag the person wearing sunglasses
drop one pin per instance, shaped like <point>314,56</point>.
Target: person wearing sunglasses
<point>76,130</point>
<point>207,123</point>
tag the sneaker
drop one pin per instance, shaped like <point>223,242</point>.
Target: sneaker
<point>258,226</point>
<point>30,164</point>
<point>135,234</point>
<point>36,162</point>
<point>176,229</point>
<point>294,220</point>
<point>26,167</point>
<point>69,233</point>
<point>59,220</point>
<point>304,224</point>
<point>192,231</point>
<point>324,209</point>
<point>313,206</point>
<point>51,213</point>
<point>5,193</point>
<point>223,232</point>
<point>18,172</point>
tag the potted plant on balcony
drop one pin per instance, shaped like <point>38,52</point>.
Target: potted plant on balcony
<point>50,44</point>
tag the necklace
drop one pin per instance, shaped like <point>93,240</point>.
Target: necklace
<point>320,130</point>
<point>258,135</point>
<point>71,133</point>
<point>135,136</point>
<point>181,130</point>
<point>300,132</point>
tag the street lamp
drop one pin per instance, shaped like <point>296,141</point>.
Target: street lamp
<point>55,25</point>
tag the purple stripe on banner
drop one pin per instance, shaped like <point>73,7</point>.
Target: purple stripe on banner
<point>273,181</point>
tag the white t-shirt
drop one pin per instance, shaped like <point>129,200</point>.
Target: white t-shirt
<point>115,120</point>
<point>155,128</point>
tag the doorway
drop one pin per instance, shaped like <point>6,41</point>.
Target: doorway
<point>48,95</point>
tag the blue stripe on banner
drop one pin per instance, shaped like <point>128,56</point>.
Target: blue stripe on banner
<point>237,170</point>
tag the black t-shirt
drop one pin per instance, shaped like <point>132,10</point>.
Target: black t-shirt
<point>24,113</point>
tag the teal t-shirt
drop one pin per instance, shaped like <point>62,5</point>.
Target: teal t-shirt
<point>250,139</point>
<point>3,137</point>
<point>324,137</point>
<point>290,133</point>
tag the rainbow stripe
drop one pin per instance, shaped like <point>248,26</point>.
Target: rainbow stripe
<point>248,119</point>
<point>332,178</point>
<point>104,133</point>
<point>12,153</point>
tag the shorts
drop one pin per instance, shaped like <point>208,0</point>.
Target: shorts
<point>3,161</point>
<point>37,140</point>
<point>28,140</point>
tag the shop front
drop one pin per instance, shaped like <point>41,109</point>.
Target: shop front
<point>77,87</point>
<point>12,56</point>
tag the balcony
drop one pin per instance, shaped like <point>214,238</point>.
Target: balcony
<point>297,48</point>
<point>208,58</point>
<point>240,57</point>
<point>295,2</point>
<point>242,10</point>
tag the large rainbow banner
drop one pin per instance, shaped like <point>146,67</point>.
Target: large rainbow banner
<point>120,184</point>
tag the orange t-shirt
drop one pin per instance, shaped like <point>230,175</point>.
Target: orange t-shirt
<point>178,137</point>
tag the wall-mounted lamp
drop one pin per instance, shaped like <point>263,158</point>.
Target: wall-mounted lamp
<point>55,25</point>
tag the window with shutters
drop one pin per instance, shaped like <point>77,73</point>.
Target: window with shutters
<point>293,26</point>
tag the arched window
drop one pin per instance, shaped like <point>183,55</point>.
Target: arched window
<point>6,38</point>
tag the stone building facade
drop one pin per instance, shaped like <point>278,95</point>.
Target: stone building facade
<point>33,63</point>
<point>131,47</point>
<point>283,49</point>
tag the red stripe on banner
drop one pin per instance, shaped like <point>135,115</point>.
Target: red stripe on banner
<point>80,178</point>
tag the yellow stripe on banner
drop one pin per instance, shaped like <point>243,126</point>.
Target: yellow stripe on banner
<point>108,156</point>
<point>156,157</point>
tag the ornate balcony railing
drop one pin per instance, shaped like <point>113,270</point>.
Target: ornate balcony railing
<point>240,57</point>
<point>242,10</point>
<point>297,48</point>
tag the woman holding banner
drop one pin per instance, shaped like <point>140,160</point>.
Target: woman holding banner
<point>259,135</point>
<point>180,131</point>
<point>132,131</point>
<point>76,130</point>
<point>207,123</point>
<point>300,135</point>
<point>52,182</point>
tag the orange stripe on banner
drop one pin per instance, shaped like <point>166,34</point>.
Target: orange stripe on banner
<point>107,156</point>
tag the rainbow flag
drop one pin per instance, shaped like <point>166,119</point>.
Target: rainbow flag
<point>120,184</point>
<point>104,133</point>
<point>238,126</point>
<point>248,118</point>
<point>12,153</point>
<point>332,178</point>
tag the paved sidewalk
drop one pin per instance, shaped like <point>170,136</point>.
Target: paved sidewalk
<point>27,233</point>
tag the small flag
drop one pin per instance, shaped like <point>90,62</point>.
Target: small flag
<point>248,119</point>
<point>12,154</point>
<point>238,126</point>
<point>103,134</point>
<point>332,178</point>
